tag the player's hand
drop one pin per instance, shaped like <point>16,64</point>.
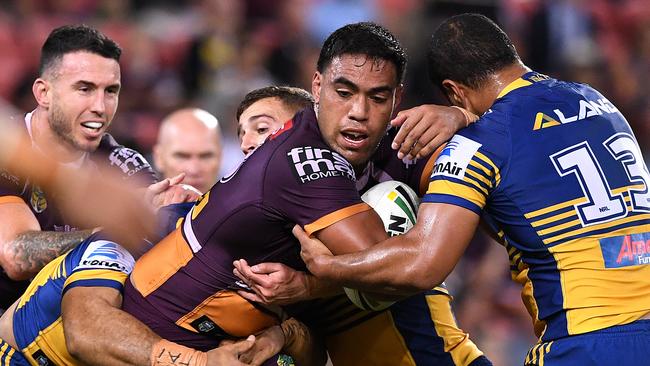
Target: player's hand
<point>313,252</point>
<point>424,128</point>
<point>267,344</point>
<point>169,191</point>
<point>228,355</point>
<point>272,283</point>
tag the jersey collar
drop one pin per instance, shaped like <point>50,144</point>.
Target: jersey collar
<point>525,80</point>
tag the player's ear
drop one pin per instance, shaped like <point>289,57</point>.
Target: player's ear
<point>455,92</point>
<point>41,91</point>
<point>157,158</point>
<point>316,85</point>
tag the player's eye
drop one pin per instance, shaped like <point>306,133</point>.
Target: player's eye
<point>262,130</point>
<point>343,93</point>
<point>379,99</point>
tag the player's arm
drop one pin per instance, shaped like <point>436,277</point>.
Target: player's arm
<point>406,264</point>
<point>24,249</point>
<point>98,332</point>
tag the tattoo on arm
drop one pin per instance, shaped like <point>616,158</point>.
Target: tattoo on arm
<point>32,250</point>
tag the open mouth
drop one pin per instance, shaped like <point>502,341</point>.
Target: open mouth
<point>354,137</point>
<point>94,126</point>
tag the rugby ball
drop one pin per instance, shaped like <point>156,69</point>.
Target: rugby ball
<point>397,206</point>
<point>395,203</point>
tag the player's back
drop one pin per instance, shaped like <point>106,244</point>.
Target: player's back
<point>562,179</point>
<point>294,178</point>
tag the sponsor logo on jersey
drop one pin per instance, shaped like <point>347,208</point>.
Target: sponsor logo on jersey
<point>627,250</point>
<point>586,109</point>
<point>313,163</point>
<point>38,201</point>
<point>128,160</point>
<point>106,254</point>
<point>455,157</point>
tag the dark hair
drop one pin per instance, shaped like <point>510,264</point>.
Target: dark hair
<point>363,38</point>
<point>292,97</point>
<point>73,38</point>
<point>467,48</point>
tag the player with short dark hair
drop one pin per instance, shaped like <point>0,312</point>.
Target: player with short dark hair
<point>554,168</point>
<point>301,175</point>
<point>72,38</point>
<point>77,94</point>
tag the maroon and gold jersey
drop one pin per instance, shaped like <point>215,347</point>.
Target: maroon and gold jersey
<point>183,287</point>
<point>15,189</point>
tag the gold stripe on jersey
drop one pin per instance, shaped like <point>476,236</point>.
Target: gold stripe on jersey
<point>161,262</point>
<point>45,275</point>
<point>535,356</point>
<point>95,274</point>
<point>457,189</point>
<point>385,347</point>
<point>560,227</point>
<point>527,295</point>
<point>477,176</point>
<point>496,173</point>
<point>519,83</point>
<point>597,297</point>
<point>52,342</point>
<point>551,219</point>
<point>577,201</point>
<point>456,342</point>
<point>585,231</point>
<point>336,216</point>
<point>475,184</point>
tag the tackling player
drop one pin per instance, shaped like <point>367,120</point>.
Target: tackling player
<point>48,325</point>
<point>556,170</point>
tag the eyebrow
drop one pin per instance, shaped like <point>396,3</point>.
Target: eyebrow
<point>91,84</point>
<point>353,86</point>
<point>258,116</point>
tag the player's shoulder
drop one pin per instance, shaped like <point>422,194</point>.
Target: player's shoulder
<point>99,252</point>
<point>128,161</point>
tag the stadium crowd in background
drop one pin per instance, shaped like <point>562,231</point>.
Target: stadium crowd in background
<point>209,53</point>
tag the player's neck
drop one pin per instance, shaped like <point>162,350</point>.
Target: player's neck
<point>51,144</point>
<point>504,77</point>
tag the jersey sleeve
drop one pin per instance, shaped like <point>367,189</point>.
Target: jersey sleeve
<point>128,162</point>
<point>470,166</point>
<point>313,187</point>
<point>102,264</point>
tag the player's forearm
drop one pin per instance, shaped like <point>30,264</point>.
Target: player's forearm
<point>393,267</point>
<point>30,251</point>
<point>317,288</point>
<point>114,338</point>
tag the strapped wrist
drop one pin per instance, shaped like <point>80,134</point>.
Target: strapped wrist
<point>469,116</point>
<point>166,353</point>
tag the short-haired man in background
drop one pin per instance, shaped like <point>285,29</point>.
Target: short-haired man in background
<point>189,141</point>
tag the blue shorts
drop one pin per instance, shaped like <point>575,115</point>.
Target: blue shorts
<point>621,345</point>
<point>9,356</point>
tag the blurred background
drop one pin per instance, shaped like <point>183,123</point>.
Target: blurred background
<point>209,53</point>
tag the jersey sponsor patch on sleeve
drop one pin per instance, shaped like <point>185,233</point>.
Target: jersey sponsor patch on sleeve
<point>104,254</point>
<point>313,163</point>
<point>455,157</point>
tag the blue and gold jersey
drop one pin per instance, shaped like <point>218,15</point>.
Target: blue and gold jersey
<point>37,324</point>
<point>558,173</point>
